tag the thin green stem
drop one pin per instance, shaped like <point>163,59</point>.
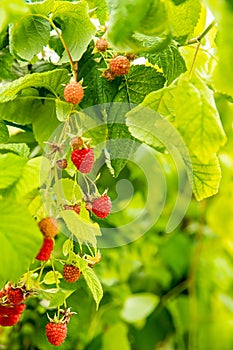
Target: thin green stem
<point>194,59</point>
<point>74,66</point>
<point>200,36</point>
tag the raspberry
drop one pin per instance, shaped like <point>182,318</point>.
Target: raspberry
<point>9,320</point>
<point>71,273</point>
<point>12,310</point>
<point>101,207</point>
<point>101,45</point>
<point>83,159</point>
<point>48,227</point>
<point>15,295</point>
<point>62,163</point>
<point>119,65</point>
<point>56,333</point>
<point>73,93</point>
<point>46,250</point>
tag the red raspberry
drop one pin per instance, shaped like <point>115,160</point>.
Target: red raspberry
<point>73,93</point>
<point>83,159</point>
<point>15,295</point>
<point>56,333</point>
<point>101,45</point>
<point>12,310</point>
<point>62,163</point>
<point>46,250</point>
<point>71,273</point>
<point>9,320</point>
<point>48,227</point>
<point>101,207</point>
<point>120,65</point>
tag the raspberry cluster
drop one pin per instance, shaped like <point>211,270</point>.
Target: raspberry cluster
<point>11,305</point>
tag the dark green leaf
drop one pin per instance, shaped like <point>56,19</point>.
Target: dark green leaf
<point>4,133</point>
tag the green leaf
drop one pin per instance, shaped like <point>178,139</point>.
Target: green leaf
<point>21,149</point>
<point>6,62</point>
<point>29,36</point>
<point>101,10</point>
<point>206,177</point>
<point>115,337</point>
<point>93,284</point>
<point>52,80</point>
<point>184,17</point>
<point>59,297</point>
<point>52,277</point>
<point>20,240</point>
<point>11,11</point>
<point>161,101</point>
<point>139,306</point>
<point>198,120</point>
<point>67,246</point>
<point>44,114</point>
<point>85,231</point>
<point>138,83</point>
<point>125,17</point>
<point>29,180</point>
<point>43,8</point>
<point>99,90</point>
<point>223,73</point>
<point>4,133</point>
<point>171,62</point>
<point>11,169</point>
<point>63,110</point>
<point>76,27</point>
<point>155,21</point>
<point>69,189</point>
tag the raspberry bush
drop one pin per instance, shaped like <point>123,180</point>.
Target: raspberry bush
<point>116,174</point>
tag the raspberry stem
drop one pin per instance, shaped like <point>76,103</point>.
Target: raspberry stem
<point>74,66</point>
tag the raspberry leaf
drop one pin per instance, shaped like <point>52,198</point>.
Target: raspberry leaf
<point>35,31</point>
<point>20,240</point>
<point>93,284</point>
<point>137,84</point>
<point>59,297</point>
<point>11,169</point>
<point>4,133</point>
<point>77,29</point>
<point>84,230</point>
<point>51,80</point>
<point>170,61</point>
<point>52,277</point>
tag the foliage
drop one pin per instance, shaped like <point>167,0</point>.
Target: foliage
<point>162,139</point>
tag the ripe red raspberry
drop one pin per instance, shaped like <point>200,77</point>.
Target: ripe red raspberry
<point>46,250</point>
<point>9,320</point>
<point>101,207</point>
<point>83,159</point>
<point>56,333</point>
<point>71,273</point>
<point>120,65</point>
<point>62,163</point>
<point>6,310</point>
<point>14,295</point>
<point>48,227</point>
<point>73,93</point>
<point>101,45</point>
